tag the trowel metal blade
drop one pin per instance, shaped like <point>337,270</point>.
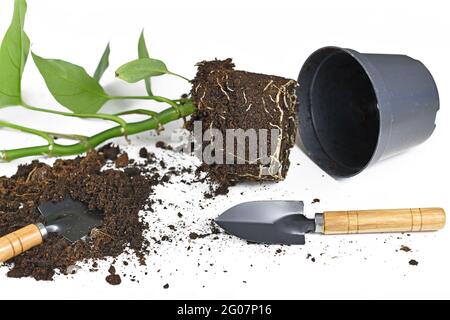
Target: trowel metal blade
<point>272,222</point>
<point>72,219</point>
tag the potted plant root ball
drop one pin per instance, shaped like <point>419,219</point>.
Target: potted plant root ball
<point>247,120</point>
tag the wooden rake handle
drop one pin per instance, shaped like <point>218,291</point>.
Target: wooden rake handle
<point>21,240</point>
<point>374,221</point>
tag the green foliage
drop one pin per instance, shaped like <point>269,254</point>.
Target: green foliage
<point>71,86</point>
<point>141,69</point>
<point>103,64</point>
<point>13,56</point>
<point>143,53</point>
<point>79,92</point>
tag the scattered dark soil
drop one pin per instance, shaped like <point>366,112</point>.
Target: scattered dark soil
<point>113,278</point>
<point>413,262</point>
<point>163,145</point>
<point>143,153</point>
<point>193,236</point>
<point>110,152</point>
<point>405,248</point>
<point>122,160</point>
<point>118,195</point>
<point>230,99</point>
<point>213,231</point>
<point>310,257</point>
<point>216,188</point>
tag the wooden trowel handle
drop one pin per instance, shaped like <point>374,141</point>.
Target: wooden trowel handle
<point>374,221</point>
<point>20,241</point>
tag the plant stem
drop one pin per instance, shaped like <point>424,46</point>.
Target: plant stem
<point>179,76</point>
<point>39,133</point>
<point>138,111</point>
<point>102,116</point>
<point>154,98</point>
<point>76,137</point>
<point>168,115</point>
<point>47,135</point>
<point>147,113</point>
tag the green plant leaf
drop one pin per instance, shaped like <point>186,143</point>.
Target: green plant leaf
<point>141,69</point>
<point>103,64</point>
<point>143,53</point>
<point>71,86</point>
<point>13,55</point>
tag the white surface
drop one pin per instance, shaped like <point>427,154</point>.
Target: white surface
<point>272,37</point>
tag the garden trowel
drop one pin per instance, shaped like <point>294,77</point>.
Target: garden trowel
<point>70,218</point>
<point>283,222</point>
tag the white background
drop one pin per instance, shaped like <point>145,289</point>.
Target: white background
<point>273,37</point>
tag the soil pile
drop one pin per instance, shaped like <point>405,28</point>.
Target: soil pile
<point>118,195</point>
<point>230,99</point>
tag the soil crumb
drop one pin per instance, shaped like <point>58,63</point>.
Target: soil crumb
<point>122,160</point>
<point>163,145</point>
<point>413,262</point>
<point>143,153</point>
<point>118,195</point>
<point>193,236</point>
<point>229,99</point>
<point>110,152</point>
<point>310,257</point>
<point>405,248</point>
<point>113,278</point>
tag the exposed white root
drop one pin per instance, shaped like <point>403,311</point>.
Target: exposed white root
<point>201,99</point>
<point>268,85</point>
<point>246,161</point>
<point>285,101</point>
<point>222,89</point>
<point>226,84</point>
<point>264,105</point>
<point>249,107</point>
<point>276,167</point>
<point>259,177</point>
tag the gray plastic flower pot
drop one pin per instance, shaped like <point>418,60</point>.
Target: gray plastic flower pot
<point>356,109</point>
